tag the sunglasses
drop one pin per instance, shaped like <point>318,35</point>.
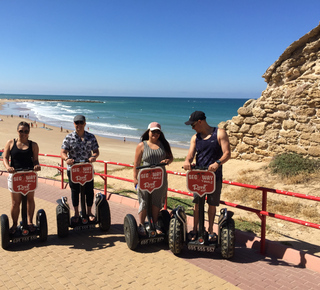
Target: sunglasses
<point>156,131</point>
<point>193,125</point>
<point>24,131</point>
<point>79,122</point>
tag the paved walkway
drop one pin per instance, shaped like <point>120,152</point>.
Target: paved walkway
<point>95,260</point>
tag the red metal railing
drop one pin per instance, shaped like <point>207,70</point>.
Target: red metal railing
<point>262,214</point>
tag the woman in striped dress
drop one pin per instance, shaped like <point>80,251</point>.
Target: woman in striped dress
<point>153,149</point>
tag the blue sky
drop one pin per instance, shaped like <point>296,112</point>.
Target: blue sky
<point>171,48</point>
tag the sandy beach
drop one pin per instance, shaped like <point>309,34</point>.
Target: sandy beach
<point>49,139</point>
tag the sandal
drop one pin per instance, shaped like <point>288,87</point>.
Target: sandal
<point>75,219</point>
<point>142,230</point>
<point>31,228</point>
<point>158,230</point>
<point>212,237</point>
<point>12,230</point>
<point>192,236</point>
<point>92,218</point>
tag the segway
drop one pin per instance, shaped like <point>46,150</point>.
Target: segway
<point>202,183</point>
<point>150,178</point>
<point>24,182</point>
<point>82,173</point>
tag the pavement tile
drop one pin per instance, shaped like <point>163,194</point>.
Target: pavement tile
<point>92,259</point>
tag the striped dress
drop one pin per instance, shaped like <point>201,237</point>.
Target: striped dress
<point>151,156</point>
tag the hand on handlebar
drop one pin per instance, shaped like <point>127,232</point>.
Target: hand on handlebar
<point>37,167</point>
<point>92,159</point>
<point>11,170</point>
<point>70,161</point>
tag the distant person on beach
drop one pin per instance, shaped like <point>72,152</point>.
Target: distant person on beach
<point>211,147</point>
<point>77,146</point>
<point>24,155</point>
<point>153,149</point>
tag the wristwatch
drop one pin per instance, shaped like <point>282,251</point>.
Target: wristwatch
<point>219,162</point>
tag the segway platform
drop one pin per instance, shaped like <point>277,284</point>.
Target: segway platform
<point>24,182</point>
<point>82,173</point>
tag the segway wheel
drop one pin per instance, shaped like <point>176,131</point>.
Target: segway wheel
<point>227,240</point>
<point>131,231</point>
<point>62,221</point>
<point>42,224</point>
<point>104,216</point>
<point>175,236</point>
<point>5,235</point>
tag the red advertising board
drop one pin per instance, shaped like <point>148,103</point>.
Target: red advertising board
<point>24,182</point>
<point>201,182</point>
<point>150,178</point>
<point>81,173</point>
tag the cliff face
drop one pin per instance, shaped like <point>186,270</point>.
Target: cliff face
<point>286,118</point>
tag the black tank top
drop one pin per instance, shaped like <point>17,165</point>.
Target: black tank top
<point>21,158</point>
<point>208,151</point>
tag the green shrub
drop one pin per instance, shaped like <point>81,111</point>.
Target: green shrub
<point>292,164</point>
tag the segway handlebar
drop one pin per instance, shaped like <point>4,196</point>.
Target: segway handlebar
<point>151,165</point>
<point>197,167</point>
<point>24,169</point>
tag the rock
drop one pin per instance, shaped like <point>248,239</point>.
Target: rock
<point>286,117</point>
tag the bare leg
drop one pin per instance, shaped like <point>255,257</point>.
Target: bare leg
<point>142,216</point>
<point>195,217</point>
<point>15,208</point>
<point>30,207</point>
<point>211,215</point>
<point>155,213</point>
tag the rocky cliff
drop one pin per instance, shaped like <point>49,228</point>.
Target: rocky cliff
<point>286,118</point>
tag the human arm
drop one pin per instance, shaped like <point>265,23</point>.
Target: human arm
<point>191,154</point>
<point>94,156</point>
<point>64,156</point>
<point>6,156</point>
<point>223,140</point>
<point>35,157</point>
<point>137,162</point>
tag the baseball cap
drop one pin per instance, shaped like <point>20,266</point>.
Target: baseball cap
<point>195,116</point>
<point>79,118</point>
<point>154,126</point>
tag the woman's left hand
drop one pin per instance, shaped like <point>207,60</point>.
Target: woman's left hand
<point>37,168</point>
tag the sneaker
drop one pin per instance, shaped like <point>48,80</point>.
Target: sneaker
<point>142,230</point>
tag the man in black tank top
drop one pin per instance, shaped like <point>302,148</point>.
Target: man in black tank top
<point>211,147</point>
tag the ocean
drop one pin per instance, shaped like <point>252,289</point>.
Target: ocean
<point>124,117</point>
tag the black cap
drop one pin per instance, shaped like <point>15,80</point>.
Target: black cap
<point>195,116</point>
<point>79,118</point>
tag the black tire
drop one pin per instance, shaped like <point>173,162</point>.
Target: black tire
<point>5,235</point>
<point>43,225</point>
<point>62,221</point>
<point>227,240</point>
<point>164,220</point>
<point>104,216</point>
<point>131,231</point>
<point>175,236</point>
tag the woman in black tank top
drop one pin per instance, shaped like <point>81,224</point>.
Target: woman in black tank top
<point>21,153</point>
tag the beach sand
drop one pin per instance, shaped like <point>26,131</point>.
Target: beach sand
<point>49,139</point>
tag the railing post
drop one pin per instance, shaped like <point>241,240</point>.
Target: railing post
<point>62,171</point>
<point>105,178</point>
<point>263,222</point>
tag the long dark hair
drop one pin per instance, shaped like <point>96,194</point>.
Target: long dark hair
<point>162,139</point>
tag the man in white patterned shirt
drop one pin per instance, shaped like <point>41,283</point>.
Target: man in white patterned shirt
<point>78,146</point>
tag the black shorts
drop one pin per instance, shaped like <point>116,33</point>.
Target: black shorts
<point>213,198</point>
